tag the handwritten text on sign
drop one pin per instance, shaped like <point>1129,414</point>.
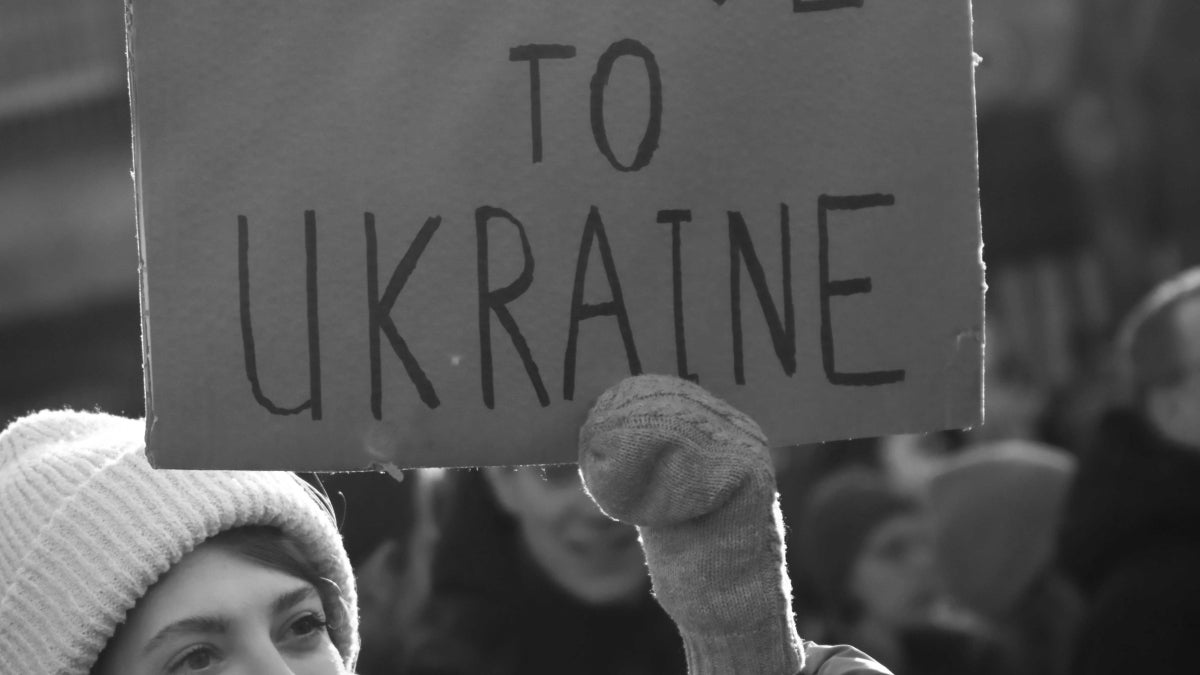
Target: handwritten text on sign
<point>431,233</point>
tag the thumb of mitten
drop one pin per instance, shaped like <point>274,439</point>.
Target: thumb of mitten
<point>695,475</point>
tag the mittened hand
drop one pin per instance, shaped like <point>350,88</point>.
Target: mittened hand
<point>695,476</point>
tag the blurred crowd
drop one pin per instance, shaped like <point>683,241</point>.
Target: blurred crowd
<point>1061,536</point>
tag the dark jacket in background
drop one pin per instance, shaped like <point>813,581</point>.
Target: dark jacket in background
<point>1131,541</point>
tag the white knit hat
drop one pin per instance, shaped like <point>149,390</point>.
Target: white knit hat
<point>87,527</point>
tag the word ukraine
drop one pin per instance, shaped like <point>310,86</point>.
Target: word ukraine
<point>493,300</point>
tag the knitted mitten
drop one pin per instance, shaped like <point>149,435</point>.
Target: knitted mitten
<point>695,476</point>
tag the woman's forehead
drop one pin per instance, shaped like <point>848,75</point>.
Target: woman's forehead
<point>216,583</point>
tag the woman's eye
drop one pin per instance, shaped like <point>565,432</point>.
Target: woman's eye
<point>196,660</point>
<point>308,625</point>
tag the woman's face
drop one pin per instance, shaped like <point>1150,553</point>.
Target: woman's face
<point>216,613</point>
<point>893,577</point>
<point>596,559</point>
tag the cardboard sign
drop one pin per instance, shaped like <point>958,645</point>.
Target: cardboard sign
<point>431,232</point>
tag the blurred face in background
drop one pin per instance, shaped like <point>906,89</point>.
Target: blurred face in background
<point>893,577</point>
<point>594,558</point>
<point>1175,407</point>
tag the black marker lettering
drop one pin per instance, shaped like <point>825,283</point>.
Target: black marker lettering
<point>594,229</point>
<point>534,53</point>
<point>800,6</point>
<point>313,403</point>
<point>496,300</point>
<point>379,311</point>
<point>783,335</point>
<point>676,218</point>
<point>604,67</point>
<point>825,204</point>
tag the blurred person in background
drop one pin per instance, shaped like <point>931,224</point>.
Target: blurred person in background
<point>1131,533</point>
<point>869,548</point>
<point>1130,123</point>
<point>530,577</point>
<point>996,512</point>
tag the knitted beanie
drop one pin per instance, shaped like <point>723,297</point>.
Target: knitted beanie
<point>87,527</point>
<point>694,475</point>
<point>996,511</point>
<point>840,514</point>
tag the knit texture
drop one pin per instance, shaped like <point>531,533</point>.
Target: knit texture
<point>87,527</point>
<point>695,476</point>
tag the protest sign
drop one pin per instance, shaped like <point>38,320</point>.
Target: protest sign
<point>431,232</point>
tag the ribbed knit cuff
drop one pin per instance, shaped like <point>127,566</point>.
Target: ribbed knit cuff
<point>773,649</point>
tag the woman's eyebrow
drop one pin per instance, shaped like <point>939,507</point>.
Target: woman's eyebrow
<point>289,599</point>
<point>193,624</point>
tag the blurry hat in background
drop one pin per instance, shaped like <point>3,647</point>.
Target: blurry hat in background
<point>996,511</point>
